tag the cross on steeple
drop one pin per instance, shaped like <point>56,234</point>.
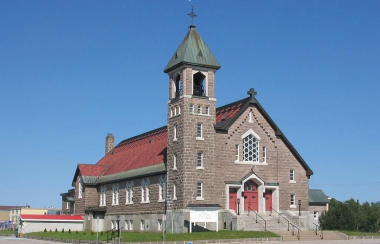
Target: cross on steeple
<point>192,16</point>
<point>252,92</point>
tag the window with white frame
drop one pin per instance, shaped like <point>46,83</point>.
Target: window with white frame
<point>264,154</point>
<point>159,224</point>
<point>161,189</point>
<point>145,184</point>
<point>113,226</point>
<point>175,111</point>
<point>174,162</point>
<point>80,187</point>
<point>171,113</point>
<point>174,191</point>
<point>208,110</point>
<point>103,190</point>
<point>126,225</point>
<point>199,130</point>
<point>67,205</point>
<point>142,224</point>
<point>175,133</point>
<point>115,194</point>
<point>199,191</point>
<point>292,178</point>
<point>131,224</point>
<point>199,109</point>
<point>316,215</point>
<point>191,108</point>
<point>251,147</point>
<point>129,193</point>
<point>237,152</point>
<point>292,200</point>
<point>179,110</point>
<point>200,160</point>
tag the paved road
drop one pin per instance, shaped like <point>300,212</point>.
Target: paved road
<point>11,240</point>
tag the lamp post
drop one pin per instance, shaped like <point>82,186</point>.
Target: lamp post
<point>118,226</point>
<point>299,207</point>
<point>238,202</point>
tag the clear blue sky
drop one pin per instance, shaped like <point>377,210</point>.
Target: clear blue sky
<point>72,71</point>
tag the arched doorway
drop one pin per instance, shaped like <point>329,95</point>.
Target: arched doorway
<point>251,199</point>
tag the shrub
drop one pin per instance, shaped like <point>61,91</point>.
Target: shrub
<point>45,230</point>
<point>101,233</point>
<point>69,231</point>
<point>56,230</point>
<point>50,231</point>
<point>63,230</point>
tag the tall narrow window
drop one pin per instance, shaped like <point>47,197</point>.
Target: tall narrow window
<point>175,133</point>
<point>264,154</point>
<point>175,111</point>
<point>145,191</point>
<point>199,191</point>
<point>191,108</point>
<point>179,110</point>
<point>198,86</point>
<point>142,224</point>
<point>251,148</point>
<point>131,224</point>
<point>161,189</point>
<point>171,113</point>
<point>174,191</point>
<point>178,86</point>
<point>174,162</point>
<point>127,225</point>
<point>129,193</point>
<point>159,224</point>
<point>103,190</point>
<point>200,160</point>
<point>80,187</point>
<point>115,194</point>
<point>142,194</point>
<point>199,109</point>
<point>208,110</point>
<point>237,152</point>
<point>292,199</point>
<point>292,178</point>
<point>200,130</point>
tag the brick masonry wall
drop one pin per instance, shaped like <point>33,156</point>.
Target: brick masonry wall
<point>79,202</point>
<point>279,160</point>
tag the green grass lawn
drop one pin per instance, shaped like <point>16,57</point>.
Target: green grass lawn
<point>357,233</point>
<point>157,237</point>
<point>6,232</point>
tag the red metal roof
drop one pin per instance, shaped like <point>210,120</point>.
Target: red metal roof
<point>91,169</point>
<point>146,149</point>
<point>137,152</point>
<point>50,217</point>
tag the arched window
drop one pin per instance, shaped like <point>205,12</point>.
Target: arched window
<point>198,84</point>
<point>80,186</point>
<point>177,86</point>
<point>115,194</point>
<point>103,190</point>
<point>251,146</point>
<point>145,184</point>
<point>129,193</point>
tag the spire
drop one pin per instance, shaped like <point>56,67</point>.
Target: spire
<point>193,51</point>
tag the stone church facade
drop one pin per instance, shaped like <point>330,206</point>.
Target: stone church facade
<point>231,159</point>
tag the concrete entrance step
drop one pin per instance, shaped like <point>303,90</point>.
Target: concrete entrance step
<point>307,235</point>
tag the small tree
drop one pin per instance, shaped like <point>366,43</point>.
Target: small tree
<point>69,231</point>
<point>56,230</point>
<point>45,230</point>
<point>63,230</point>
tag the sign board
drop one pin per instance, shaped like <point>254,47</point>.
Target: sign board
<point>204,216</point>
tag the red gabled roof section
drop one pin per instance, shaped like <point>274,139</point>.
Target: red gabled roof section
<point>91,169</point>
<point>137,152</point>
<point>50,217</point>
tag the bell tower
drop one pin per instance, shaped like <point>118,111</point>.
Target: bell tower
<point>191,117</point>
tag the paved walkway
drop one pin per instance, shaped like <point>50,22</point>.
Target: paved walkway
<point>12,240</point>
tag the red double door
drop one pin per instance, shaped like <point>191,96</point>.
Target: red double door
<point>233,199</point>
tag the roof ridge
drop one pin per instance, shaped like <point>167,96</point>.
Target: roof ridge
<point>123,142</point>
<point>229,104</point>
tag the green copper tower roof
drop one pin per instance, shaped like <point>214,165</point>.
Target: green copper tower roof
<point>193,51</point>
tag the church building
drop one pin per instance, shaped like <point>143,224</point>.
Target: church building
<point>204,169</point>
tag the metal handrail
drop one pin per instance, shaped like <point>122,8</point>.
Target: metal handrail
<point>257,215</point>
<point>316,230</point>
<point>278,221</point>
<point>298,235</point>
<point>111,230</point>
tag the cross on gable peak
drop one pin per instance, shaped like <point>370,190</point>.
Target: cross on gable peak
<point>192,16</point>
<point>252,92</point>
